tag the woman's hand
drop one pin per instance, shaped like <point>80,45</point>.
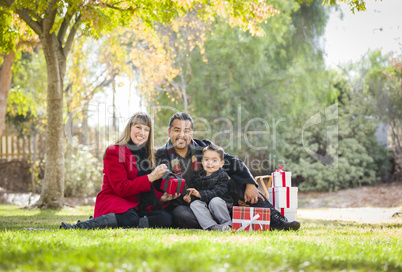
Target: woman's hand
<point>157,173</point>
<point>167,197</point>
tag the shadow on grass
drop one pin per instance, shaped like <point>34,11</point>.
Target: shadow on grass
<point>17,218</point>
<point>37,221</point>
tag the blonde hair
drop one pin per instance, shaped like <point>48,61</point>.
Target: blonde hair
<point>143,119</point>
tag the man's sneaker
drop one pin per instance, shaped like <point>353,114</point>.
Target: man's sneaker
<point>221,227</point>
<point>279,222</point>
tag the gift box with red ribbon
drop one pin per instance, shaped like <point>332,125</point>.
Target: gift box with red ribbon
<point>281,178</point>
<point>283,197</point>
<point>251,219</point>
<point>172,183</point>
<point>289,213</point>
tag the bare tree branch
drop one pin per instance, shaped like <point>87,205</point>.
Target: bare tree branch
<point>23,42</point>
<point>71,36</point>
<point>120,9</point>
<point>64,27</point>
<point>68,87</point>
<point>8,3</point>
<point>50,6</point>
<point>50,17</point>
<point>36,27</point>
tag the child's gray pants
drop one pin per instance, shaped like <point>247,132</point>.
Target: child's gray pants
<point>215,213</point>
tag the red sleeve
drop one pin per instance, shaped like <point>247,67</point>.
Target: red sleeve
<point>116,167</point>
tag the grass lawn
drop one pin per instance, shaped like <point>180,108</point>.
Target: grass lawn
<point>318,246</point>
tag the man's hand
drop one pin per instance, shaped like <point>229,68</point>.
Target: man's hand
<point>251,194</point>
<point>167,197</point>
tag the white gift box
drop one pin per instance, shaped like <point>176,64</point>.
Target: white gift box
<point>289,213</point>
<point>282,179</point>
<point>283,197</point>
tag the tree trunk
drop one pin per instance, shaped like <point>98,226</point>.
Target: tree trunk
<point>52,196</point>
<point>5,86</point>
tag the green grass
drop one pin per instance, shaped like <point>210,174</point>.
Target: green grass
<point>317,246</point>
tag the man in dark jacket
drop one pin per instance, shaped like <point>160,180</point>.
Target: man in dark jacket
<point>182,154</point>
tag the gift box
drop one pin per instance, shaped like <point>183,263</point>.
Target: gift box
<point>289,213</point>
<point>251,219</point>
<point>281,178</point>
<point>283,197</point>
<point>172,183</point>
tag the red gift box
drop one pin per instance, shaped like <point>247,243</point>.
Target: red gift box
<point>172,183</point>
<point>257,218</point>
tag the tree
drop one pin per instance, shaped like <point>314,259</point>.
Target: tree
<point>15,38</point>
<point>264,89</point>
<point>382,92</point>
<point>359,5</point>
<point>251,73</point>
<point>57,23</point>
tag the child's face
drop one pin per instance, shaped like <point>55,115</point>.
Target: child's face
<point>211,161</point>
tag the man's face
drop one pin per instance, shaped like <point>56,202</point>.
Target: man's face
<point>180,133</point>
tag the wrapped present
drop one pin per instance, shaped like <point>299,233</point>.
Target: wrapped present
<point>281,178</point>
<point>283,197</point>
<point>289,213</point>
<point>251,219</point>
<point>172,183</point>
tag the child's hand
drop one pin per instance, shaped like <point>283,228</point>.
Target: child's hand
<point>194,192</point>
<point>187,198</point>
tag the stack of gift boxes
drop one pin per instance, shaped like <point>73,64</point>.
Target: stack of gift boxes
<point>282,195</point>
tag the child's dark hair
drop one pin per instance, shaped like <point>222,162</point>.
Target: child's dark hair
<point>215,148</point>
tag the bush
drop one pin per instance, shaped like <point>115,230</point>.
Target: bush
<point>83,174</point>
<point>360,159</point>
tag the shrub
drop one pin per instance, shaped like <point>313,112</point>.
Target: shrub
<point>83,174</point>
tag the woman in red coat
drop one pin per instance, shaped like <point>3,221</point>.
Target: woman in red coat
<point>128,198</point>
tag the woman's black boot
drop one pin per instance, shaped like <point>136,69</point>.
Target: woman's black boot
<point>101,222</point>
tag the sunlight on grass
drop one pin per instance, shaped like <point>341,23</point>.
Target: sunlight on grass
<point>318,246</point>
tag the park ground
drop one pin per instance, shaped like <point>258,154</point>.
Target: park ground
<point>349,230</point>
<point>381,203</point>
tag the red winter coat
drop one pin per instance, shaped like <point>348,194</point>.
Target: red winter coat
<point>121,186</point>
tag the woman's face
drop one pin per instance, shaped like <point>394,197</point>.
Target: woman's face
<point>139,133</point>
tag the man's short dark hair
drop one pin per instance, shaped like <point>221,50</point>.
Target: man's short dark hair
<point>181,116</point>
<point>215,148</point>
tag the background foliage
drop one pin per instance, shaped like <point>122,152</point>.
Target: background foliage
<point>251,95</point>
